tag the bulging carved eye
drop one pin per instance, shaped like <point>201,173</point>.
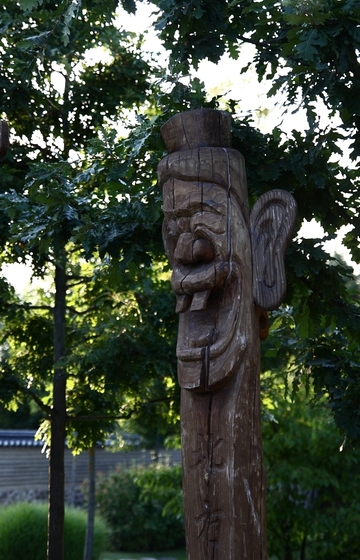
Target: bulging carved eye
<point>183,224</point>
<point>172,228</point>
<point>176,227</point>
<point>207,222</point>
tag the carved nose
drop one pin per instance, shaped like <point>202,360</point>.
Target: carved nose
<point>189,250</point>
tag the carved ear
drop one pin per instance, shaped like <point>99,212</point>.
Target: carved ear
<point>272,220</point>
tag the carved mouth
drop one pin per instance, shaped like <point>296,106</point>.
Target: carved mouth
<point>207,317</point>
<point>189,281</point>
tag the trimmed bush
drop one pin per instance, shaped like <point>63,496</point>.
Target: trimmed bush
<point>143,507</point>
<point>23,533</point>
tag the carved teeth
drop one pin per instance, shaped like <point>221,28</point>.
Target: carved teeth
<point>182,303</point>
<point>199,300</point>
<point>196,302</point>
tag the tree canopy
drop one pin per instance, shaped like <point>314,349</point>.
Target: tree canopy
<point>70,200</point>
<point>80,177</point>
<point>66,157</point>
<point>74,212</point>
<point>79,203</point>
<point>309,50</point>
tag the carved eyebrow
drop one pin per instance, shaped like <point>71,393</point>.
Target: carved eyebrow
<point>189,208</point>
<point>209,206</point>
<point>213,206</point>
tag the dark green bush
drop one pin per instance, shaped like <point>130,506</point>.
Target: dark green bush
<point>313,496</point>
<point>23,533</point>
<point>143,507</point>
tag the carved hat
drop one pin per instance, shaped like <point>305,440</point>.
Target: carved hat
<point>199,149</point>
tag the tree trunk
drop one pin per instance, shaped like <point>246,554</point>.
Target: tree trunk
<point>58,423</point>
<point>303,548</point>
<point>288,552</point>
<point>4,138</point>
<point>91,507</point>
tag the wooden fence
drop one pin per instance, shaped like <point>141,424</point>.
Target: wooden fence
<point>27,467</point>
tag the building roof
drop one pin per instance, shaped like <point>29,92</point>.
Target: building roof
<point>19,438</point>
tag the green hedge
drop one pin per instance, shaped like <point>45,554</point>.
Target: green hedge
<point>23,533</point>
<point>143,507</point>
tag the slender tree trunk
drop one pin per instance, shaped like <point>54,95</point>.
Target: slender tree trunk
<point>58,422</point>
<point>303,548</point>
<point>288,551</point>
<point>91,507</point>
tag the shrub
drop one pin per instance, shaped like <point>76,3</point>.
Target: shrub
<point>143,507</point>
<point>313,496</point>
<point>23,533</point>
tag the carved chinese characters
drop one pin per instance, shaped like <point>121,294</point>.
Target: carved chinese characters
<point>223,261</point>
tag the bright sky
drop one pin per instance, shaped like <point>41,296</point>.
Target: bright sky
<point>19,275</point>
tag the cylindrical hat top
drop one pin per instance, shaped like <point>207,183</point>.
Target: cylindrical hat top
<point>196,129</point>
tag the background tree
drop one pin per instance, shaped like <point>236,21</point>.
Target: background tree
<point>79,196</point>
<point>60,211</point>
<point>313,491</point>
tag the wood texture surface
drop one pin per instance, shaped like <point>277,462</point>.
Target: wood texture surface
<point>227,269</point>
<point>272,222</point>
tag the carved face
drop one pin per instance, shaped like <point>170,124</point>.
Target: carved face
<point>207,241</point>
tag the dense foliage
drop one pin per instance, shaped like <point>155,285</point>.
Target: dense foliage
<point>23,531</point>
<point>313,490</point>
<point>309,50</point>
<point>72,199</point>
<point>80,206</point>
<point>313,487</point>
<point>81,166</point>
<point>74,208</point>
<point>143,507</point>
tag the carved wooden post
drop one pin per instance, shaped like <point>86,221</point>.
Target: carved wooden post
<point>4,138</point>
<point>227,267</point>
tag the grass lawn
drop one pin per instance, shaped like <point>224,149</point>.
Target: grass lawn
<point>173,554</point>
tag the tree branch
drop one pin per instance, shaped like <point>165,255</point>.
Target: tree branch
<point>124,416</point>
<point>44,407</point>
<point>28,306</point>
<point>28,392</point>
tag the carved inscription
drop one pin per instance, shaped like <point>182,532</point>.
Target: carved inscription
<point>207,455</point>
<point>208,459</point>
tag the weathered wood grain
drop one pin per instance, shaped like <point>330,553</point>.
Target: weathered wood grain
<point>272,222</point>
<point>227,271</point>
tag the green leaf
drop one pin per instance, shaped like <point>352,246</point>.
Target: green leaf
<point>129,6</point>
<point>198,12</point>
<point>34,41</point>
<point>27,5</point>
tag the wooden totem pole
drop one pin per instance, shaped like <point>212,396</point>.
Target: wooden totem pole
<point>227,271</point>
